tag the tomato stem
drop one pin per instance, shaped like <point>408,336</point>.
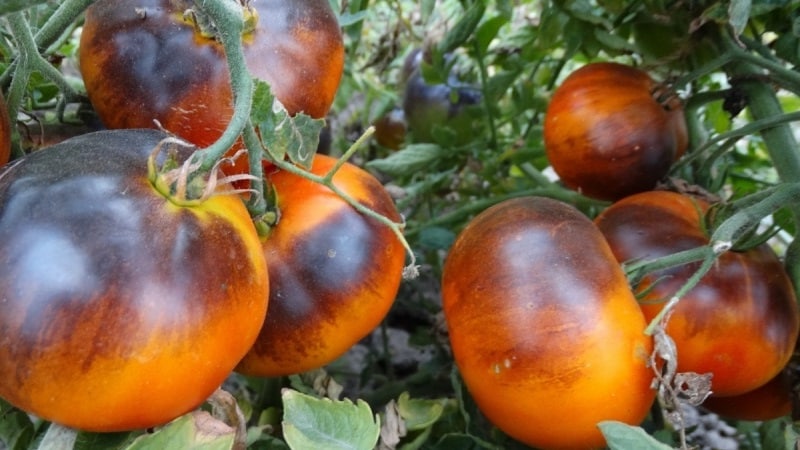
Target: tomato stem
<point>30,60</point>
<point>410,271</point>
<point>229,18</point>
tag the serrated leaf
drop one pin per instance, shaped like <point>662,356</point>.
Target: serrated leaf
<point>463,29</point>
<point>411,159</point>
<point>195,431</point>
<point>621,436</point>
<point>311,423</point>
<point>281,134</point>
<point>739,15</point>
<point>419,414</point>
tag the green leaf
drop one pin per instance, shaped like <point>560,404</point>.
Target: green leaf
<point>311,423</point>
<point>58,437</point>
<point>17,431</point>
<point>623,437</point>
<point>281,134</point>
<point>739,14</point>
<point>409,160</point>
<point>488,31</point>
<point>419,413</point>
<point>196,431</point>
<point>463,29</point>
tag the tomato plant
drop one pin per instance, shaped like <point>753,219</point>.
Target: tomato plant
<point>122,308</point>
<point>610,130</point>
<point>334,272</point>
<point>740,322</point>
<point>544,329</point>
<point>172,70</point>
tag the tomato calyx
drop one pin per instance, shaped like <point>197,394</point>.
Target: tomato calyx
<point>205,26</point>
<point>183,181</point>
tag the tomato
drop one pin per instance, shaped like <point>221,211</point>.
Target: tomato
<point>740,323</point>
<point>431,106</point>
<point>148,62</point>
<point>543,326</point>
<point>611,131</point>
<point>770,401</point>
<point>120,308</point>
<point>334,273</point>
<point>5,132</point>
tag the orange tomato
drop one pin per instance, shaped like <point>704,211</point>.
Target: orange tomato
<point>543,326</point>
<point>740,323</point>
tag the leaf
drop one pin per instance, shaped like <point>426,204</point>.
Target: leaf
<point>463,29</point>
<point>281,134</point>
<point>311,423</point>
<point>739,15</point>
<point>16,428</point>
<point>419,413</point>
<point>623,437</point>
<point>58,437</point>
<point>409,160</point>
<point>195,431</point>
<point>488,31</point>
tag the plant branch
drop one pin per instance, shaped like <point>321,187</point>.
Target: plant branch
<point>229,19</point>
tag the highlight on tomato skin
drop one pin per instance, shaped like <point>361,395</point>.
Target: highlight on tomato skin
<point>611,131</point>
<point>543,327</point>
<point>171,73</point>
<point>122,309</point>
<point>739,323</point>
<point>334,272</point>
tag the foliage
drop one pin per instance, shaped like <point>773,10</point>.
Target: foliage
<point>734,63</point>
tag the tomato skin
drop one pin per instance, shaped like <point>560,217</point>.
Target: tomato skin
<point>543,327</point>
<point>741,321</point>
<point>768,402</point>
<point>334,273</point>
<point>121,309</point>
<point>608,135</point>
<point>5,132</point>
<point>170,73</point>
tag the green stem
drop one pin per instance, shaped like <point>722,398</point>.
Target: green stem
<point>30,60</point>
<point>636,270</point>
<point>747,218</point>
<point>256,204</point>
<point>228,16</point>
<point>663,315</point>
<point>327,181</point>
<point>60,21</point>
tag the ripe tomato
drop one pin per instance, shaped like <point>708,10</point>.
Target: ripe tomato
<point>120,308</point>
<point>740,323</point>
<point>168,71</point>
<point>544,329</point>
<point>767,402</point>
<point>334,273</point>
<point>608,134</point>
<point>5,132</point>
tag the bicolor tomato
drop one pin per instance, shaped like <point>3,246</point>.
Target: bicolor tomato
<point>149,61</point>
<point>121,309</point>
<point>611,131</point>
<point>334,272</point>
<point>544,329</point>
<point>740,323</point>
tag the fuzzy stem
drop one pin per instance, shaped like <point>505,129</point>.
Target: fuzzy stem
<point>228,16</point>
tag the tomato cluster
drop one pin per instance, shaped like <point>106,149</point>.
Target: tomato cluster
<point>135,282</point>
